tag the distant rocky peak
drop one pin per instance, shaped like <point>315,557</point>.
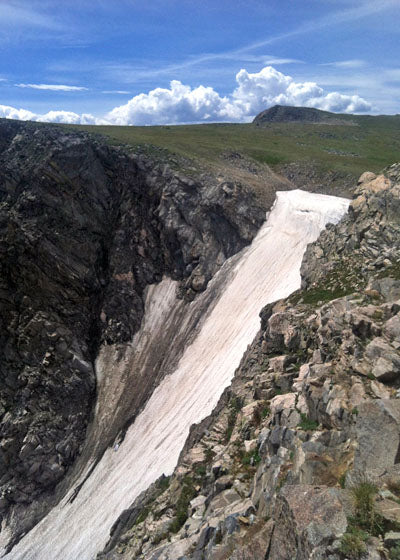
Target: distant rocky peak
<point>289,114</point>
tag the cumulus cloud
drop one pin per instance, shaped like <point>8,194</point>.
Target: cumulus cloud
<point>52,87</point>
<point>181,103</point>
<point>67,117</point>
<point>254,93</point>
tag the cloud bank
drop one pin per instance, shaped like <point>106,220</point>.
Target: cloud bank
<point>67,117</point>
<point>181,103</point>
<point>253,93</point>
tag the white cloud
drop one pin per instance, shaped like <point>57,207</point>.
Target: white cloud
<point>180,103</point>
<point>67,117</point>
<point>52,87</point>
<point>254,93</point>
<point>183,104</point>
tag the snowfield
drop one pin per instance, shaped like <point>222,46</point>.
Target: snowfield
<point>267,270</point>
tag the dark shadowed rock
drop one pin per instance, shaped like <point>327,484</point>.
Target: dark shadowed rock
<point>84,228</point>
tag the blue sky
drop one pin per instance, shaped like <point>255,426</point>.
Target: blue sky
<point>173,61</point>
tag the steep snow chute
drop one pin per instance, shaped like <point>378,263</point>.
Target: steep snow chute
<point>228,320</point>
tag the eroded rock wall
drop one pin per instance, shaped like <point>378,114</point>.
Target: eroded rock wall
<point>84,228</point>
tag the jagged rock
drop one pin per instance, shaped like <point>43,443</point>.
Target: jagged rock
<point>222,500</point>
<point>255,547</point>
<point>378,436</point>
<point>307,520</point>
<point>379,390</point>
<point>392,538</point>
<point>391,328</point>
<point>389,510</point>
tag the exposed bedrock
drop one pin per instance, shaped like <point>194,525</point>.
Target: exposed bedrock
<point>300,459</point>
<point>84,228</point>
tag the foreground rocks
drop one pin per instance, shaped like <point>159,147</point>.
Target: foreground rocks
<point>300,459</point>
<point>84,228</point>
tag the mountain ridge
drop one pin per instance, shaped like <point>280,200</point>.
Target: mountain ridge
<point>292,114</point>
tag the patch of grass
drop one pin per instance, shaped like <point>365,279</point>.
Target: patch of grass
<point>160,537</point>
<point>261,412</point>
<point>365,522</point>
<point>142,516</point>
<point>366,517</point>
<point>187,494</point>
<point>394,553</point>
<point>363,495</point>
<point>269,158</point>
<point>330,146</point>
<point>209,454</point>
<point>313,296</point>
<point>306,423</point>
<point>342,480</point>
<point>352,543</point>
<point>266,411</point>
<point>344,279</point>
<point>235,406</point>
<point>391,271</point>
<point>163,483</point>
<point>251,458</point>
<point>200,471</point>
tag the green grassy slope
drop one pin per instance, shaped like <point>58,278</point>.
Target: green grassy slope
<point>372,144</point>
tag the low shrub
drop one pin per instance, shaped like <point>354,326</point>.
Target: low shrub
<point>306,423</point>
<point>366,517</point>
<point>352,543</point>
<point>394,553</point>
<point>187,494</point>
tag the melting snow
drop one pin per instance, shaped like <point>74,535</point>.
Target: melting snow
<point>265,271</point>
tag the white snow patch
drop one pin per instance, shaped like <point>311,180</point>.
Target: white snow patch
<point>263,272</point>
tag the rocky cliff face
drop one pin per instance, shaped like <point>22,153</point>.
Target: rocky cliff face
<point>84,229</point>
<point>300,459</point>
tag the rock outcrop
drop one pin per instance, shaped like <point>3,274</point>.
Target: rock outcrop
<point>300,459</point>
<point>84,229</point>
<point>289,114</point>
